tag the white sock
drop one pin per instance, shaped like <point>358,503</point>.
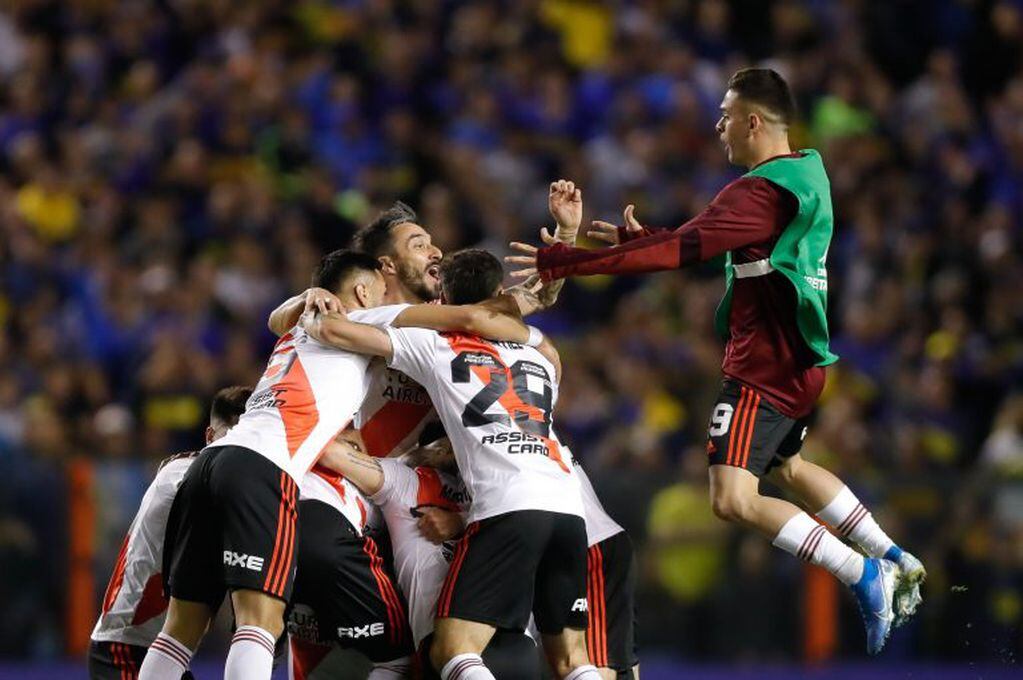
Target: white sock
<point>806,539</point>
<point>466,667</point>
<point>587,672</point>
<point>851,519</point>
<point>391,670</point>
<point>167,659</point>
<point>251,656</point>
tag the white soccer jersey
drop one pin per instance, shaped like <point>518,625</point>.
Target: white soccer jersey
<point>419,565</point>
<point>495,400</point>
<point>329,487</point>
<point>134,607</point>
<point>599,525</point>
<point>394,413</point>
<point>307,395</point>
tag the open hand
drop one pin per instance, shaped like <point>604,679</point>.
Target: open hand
<point>608,233</point>
<point>528,260</point>
<point>566,205</point>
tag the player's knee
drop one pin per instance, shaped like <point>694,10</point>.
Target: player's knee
<point>252,608</point>
<point>730,506</point>
<point>788,471</point>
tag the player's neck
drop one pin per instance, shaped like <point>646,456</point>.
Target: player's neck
<point>397,294</point>
<point>351,303</point>
<point>771,149</point>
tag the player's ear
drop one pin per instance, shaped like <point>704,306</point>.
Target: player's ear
<point>387,265</point>
<point>362,294</point>
<point>210,434</point>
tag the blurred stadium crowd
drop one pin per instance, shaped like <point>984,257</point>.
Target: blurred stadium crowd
<point>171,170</point>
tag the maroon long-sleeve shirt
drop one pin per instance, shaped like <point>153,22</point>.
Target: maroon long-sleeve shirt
<point>765,349</point>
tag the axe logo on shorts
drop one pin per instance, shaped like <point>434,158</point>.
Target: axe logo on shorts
<point>580,605</point>
<point>233,559</point>
<point>357,632</point>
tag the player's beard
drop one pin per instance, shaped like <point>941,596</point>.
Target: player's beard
<point>418,283</point>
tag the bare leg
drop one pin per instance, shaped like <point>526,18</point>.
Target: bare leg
<point>260,619</point>
<point>187,622</point>
<point>811,483</point>
<point>566,652</point>
<point>255,608</point>
<point>171,652</point>
<point>735,496</point>
<point>454,637</point>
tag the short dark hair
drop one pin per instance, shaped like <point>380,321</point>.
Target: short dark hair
<point>335,268</point>
<point>765,87</point>
<point>469,276</point>
<point>375,237</point>
<point>229,404</point>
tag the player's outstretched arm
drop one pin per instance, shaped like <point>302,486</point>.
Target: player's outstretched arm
<point>743,213</point>
<point>334,329</point>
<point>287,314</point>
<point>496,319</point>
<point>613,234</point>
<point>565,203</point>
<point>362,470</point>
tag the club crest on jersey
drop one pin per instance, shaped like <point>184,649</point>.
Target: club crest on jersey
<point>251,562</point>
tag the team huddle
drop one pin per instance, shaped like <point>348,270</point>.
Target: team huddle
<point>394,482</point>
<point>382,421</point>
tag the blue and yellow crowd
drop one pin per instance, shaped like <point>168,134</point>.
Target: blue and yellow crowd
<point>171,170</point>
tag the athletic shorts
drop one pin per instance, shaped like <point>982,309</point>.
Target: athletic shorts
<point>118,661</point>
<point>345,591</point>
<point>515,563</point>
<point>232,526</point>
<point>746,431</point>
<point>611,594</point>
<point>510,655</point>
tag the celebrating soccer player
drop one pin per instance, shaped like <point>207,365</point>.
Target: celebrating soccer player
<point>775,224</point>
<point>134,606</point>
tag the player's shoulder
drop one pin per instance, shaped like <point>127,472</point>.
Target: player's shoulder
<point>182,459</point>
<point>384,315</point>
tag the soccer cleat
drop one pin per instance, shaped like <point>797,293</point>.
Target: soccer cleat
<point>907,587</point>
<point>874,593</point>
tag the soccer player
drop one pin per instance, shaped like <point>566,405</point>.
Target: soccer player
<point>525,546</point>
<point>344,592</point>
<point>232,526</point>
<point>403,488</point>
<point>610,588</point>
<point>775,224</point>
<point>134,606</point>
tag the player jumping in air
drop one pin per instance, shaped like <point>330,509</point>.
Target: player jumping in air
<point>775,224</point>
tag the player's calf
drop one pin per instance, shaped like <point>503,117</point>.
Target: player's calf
<point>566,654</point>
<point>457,646</point>
<point>260,619</point>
